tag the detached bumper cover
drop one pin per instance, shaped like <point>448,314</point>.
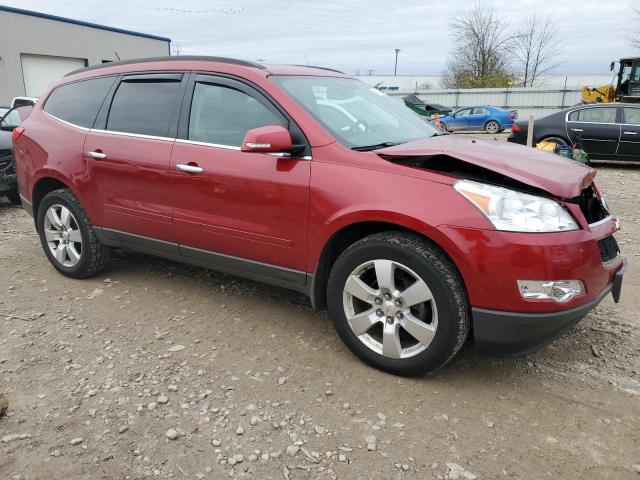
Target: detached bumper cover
<point>509,333</point>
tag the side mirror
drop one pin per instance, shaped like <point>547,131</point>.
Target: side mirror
<point>269,139</point>
<point>612,66</point>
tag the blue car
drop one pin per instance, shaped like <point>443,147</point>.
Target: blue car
<point>482,117</point>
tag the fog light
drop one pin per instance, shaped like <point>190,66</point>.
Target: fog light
<point>557,290</point>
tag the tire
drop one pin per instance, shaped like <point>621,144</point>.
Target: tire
<point>549,143</point>
<point>443,321</point>
<point>82,255</point>
<point>492,127</point>
<point>443,127</point>
<point>14,197</point>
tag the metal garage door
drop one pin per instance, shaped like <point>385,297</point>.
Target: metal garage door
<point>40,70</point>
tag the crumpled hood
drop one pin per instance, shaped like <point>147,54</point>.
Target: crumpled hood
<point>549,172</point>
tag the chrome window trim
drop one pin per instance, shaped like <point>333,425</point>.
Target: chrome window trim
<point>85,129</point>
<point>206,144</point>
<point>566,117</point>
<point>135,135</point>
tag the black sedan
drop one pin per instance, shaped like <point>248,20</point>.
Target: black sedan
<point>8,180</point>
<point>605,131</point>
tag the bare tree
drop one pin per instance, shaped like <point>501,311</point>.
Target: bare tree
<point>480,56</point>
<point>634,38</point>
<point>535,48</point>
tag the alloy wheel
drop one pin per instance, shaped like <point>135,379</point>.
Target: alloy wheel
<point>492,127</point>
<point>63,235</point>
<point>390,309</point>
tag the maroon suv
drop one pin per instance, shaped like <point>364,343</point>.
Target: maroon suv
<point>311,180</point>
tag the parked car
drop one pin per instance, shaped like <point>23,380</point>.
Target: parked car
<point>8,179</point>
<point>23,101</point>
<point>482,117</point>
<point>409,237</point>
<point>605,131</point>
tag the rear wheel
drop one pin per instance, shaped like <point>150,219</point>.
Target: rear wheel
<point>492,127</point>
<point>398,303</point>
<point>67,237</point>
<point>549,144</point>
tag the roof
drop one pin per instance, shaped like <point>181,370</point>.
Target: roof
<point>268,69</point>
<point>46,16</point>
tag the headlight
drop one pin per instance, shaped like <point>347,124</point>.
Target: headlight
<point>513,211</point>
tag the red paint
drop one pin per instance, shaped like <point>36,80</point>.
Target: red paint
<point>284,211</point>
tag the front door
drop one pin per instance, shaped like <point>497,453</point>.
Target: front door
<point>598,129</point>
<point>245,211</point>
<point>459,120</point>
<point>128,155</point>
<point>629,148</point>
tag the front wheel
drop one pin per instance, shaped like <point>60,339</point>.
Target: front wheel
<point>67,236</point>
<point>398,303</point>
<point>443,127</point>
<point>492,127</point>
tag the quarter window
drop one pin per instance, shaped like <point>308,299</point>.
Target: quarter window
<point>595,115</point>
<point>223,115</point>
<point>79,102</point>
<point>143,106</point>
<point>632,116</point>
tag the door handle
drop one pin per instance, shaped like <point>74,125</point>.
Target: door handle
<point>97,155</point>
<point>189,168</point>
<point>576,130</point>
<point>630,133</point>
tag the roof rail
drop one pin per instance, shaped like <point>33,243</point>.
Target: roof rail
<point>204,58</point>
<point>319,68</point>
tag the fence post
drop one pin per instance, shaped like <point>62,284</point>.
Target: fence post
<point>530,131</point>
<point>564,91</point>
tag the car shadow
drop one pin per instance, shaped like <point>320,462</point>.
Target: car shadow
<point>573,347</point>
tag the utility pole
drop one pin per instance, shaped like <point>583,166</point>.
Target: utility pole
<point>395,68</point>
<point>370,71</point>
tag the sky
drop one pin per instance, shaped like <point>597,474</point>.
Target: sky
<point>353,36</point>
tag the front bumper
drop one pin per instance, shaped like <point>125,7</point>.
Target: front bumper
<point>8,181</point>
<point>509,333</point>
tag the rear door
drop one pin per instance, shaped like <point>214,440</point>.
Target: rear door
<point>478,117</point>
<point>598,129</point>
<point>128,153</point>
<point>630,135</point>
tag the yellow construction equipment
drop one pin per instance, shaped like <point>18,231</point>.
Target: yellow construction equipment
<point>627,85</point>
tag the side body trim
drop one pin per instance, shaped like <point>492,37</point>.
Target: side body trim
<point>251,269</point>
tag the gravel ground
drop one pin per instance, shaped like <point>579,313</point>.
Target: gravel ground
<point>155,369</point>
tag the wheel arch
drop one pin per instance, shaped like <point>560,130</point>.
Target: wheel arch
<point>346,236</point>
<point>42,187</point>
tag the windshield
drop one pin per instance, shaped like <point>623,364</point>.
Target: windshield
<point>357,115</point>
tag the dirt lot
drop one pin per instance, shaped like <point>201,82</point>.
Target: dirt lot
<point>251,383</point>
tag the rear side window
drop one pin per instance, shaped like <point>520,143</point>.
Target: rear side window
<point>143,106</point>
<point>632,116</point>
<point>223,115</point>
<point>79,102</point>
<point>597,115</point>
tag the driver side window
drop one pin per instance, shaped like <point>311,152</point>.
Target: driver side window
<point>463,113</point>
<point>223,115</point>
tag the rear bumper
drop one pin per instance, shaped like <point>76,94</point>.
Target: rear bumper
<point>510,333</point>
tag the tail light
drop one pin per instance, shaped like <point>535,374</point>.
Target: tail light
<point>512,115</point>
<point>16,133</point>
<point>515,128</point>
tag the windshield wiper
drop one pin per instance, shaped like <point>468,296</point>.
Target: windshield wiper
<point>368,148</point>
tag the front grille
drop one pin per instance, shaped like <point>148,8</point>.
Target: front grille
<point>592,206</point>
<point>609,249</point>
